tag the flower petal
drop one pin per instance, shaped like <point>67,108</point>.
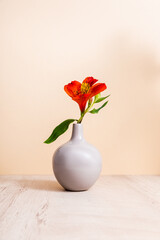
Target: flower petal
<point>97,88</point>
<point>82,103</point>
<point>73,88</point>
<point>90,80</point>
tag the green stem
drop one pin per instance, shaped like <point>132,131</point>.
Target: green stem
<point>81,118</point>
<point>83,113</point>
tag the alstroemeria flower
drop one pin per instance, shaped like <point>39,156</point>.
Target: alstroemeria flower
<point>87,91</point>
<point>81,93</point>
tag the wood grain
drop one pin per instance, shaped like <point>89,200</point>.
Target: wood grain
<point>115,208</point>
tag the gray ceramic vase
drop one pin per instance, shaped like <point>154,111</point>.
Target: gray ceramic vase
<point>77,164</point>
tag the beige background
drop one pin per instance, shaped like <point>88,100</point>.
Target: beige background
<point>46,44</point>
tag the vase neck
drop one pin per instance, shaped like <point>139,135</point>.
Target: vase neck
<point>77,132</point>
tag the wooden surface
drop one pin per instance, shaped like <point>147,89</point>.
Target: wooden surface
<point>116,207</point>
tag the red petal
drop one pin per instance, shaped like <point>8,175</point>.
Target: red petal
<point>97,88</point>
<point>73,88</point>
<point>90,80</point>
<point>82,102</point>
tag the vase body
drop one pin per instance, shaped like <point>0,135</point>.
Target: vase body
<point>77,164</point>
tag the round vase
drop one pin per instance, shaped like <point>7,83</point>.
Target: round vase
<point>77,164</point>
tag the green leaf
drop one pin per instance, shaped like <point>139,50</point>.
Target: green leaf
<point>59,130</point>
<point>97,110</point>
<point>97,97</point>
<point>100,99</point>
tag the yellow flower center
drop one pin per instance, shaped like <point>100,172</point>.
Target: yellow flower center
<point>85,88</point>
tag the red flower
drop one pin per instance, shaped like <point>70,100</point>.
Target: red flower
<point>81,93</point>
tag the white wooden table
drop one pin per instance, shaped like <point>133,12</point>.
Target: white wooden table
<point>116,207</point>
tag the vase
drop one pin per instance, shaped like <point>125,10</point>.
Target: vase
<point>77,164</point>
